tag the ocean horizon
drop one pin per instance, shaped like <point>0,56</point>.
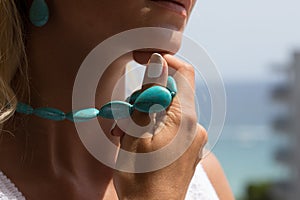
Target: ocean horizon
<point>248,143</point>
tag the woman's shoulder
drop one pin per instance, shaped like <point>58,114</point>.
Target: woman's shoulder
<point>8,190</point>
<point>216,175</point>
<point>201,187</point>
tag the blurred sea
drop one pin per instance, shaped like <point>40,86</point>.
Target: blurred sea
<point>247,145</point>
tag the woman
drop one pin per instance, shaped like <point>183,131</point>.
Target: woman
<point>45,159</point>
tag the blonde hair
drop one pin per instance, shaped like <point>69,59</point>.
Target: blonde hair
<point>13,61</point>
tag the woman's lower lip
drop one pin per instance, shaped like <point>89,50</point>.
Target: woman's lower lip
<point>172,6</point>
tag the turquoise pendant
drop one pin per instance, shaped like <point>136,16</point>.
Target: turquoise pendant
<point>82,115</point>
<point>39,13</point>
<point>50,113</point>
<point>115,110</point>
<point>171,85</point>
<point>24,109</point>
<point>156,95</point>
<point>133,97</point>
<point>152,100</point>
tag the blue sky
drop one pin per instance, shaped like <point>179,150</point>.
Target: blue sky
<point>246,38</point>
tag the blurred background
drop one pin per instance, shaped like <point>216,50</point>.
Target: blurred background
<point>255,45</point>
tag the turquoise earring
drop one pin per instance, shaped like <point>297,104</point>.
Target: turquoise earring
<point>39,13</point>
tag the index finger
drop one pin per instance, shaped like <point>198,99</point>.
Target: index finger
<point>184,75</point>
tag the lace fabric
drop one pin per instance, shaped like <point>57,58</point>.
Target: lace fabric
<point>8,190</point>
<point>200,187</point>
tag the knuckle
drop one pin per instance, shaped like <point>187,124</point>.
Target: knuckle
<point>175,111</point>
<point>173,116</point>
<point>202,134</point>
<point>191,118</point>
<point>189,68</point>
<point>191,123</point>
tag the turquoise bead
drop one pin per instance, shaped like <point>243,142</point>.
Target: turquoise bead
<point>171,85</point>
<point>82,115</point>
<point>133,97</point>
<point>39,13</point>
<point>24,108</point>
<point>50,113</point>
<point>153,96</point>
<point>115,110</point>
<point>128,99</point>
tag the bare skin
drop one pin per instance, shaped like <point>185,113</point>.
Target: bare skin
<point>46,159</point>
<point>217,177</point>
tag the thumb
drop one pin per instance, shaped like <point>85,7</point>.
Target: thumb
<point>156,72</point>
<point>142,123</point>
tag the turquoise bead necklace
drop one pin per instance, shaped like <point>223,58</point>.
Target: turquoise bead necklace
<point>145,101</point>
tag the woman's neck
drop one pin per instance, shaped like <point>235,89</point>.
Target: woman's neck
<point>48,148</point>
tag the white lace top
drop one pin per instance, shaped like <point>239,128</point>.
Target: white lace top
<point>199,189</point>
<point>8,190</point>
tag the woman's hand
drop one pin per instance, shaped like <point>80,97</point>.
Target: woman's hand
<point>165,175</point>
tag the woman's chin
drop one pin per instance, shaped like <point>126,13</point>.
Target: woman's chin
<point>166,41</point>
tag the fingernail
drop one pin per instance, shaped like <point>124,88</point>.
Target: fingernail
<point>155,66</point>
